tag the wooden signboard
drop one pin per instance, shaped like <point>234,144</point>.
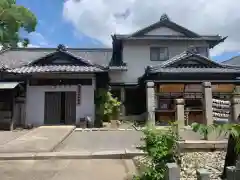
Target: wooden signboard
<point>171,88</point>
<point>223,88</point>
<point>193,88</point>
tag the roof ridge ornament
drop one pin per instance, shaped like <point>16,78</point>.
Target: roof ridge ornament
<point>164,17</point>
<point>61,47</point>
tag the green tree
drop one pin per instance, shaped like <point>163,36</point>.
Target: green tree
<point>14,18</point>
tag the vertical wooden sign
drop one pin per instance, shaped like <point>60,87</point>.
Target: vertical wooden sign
<point>79,86</point>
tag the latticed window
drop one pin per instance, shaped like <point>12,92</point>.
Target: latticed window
<point>159,54</point>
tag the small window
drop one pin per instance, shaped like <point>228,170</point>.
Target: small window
<point>202,51</point>
<point>159,54</point>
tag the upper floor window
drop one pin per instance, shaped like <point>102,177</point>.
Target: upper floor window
<point>202,51</point>
<point>159,54</point>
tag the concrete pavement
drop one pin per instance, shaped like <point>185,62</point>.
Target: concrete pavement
<point>41,139</point>
<point>65,169</point>
<point>7,136</point>
<point>100,141</point>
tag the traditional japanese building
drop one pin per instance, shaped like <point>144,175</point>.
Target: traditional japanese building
<point>147,70</point>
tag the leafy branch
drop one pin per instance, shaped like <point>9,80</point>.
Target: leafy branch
<point>14,18</point>
<point>219,129</point>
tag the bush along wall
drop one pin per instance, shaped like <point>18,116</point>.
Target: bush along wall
<point>107,107</point>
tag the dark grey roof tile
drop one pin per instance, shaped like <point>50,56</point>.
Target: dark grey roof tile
<point>54,68</point>
<point>186,55</point>
<point>195,70</point>
<point>22,56</point>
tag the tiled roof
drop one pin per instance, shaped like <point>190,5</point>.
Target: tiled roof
<point>169,37</point>
<point>166,22</point>
<point>18,57</point>
<point>184,56</point>
<point>213,67</point>
<point>54,68</point>
<point>196,70</point>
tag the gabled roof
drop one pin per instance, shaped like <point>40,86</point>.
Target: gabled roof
<point>190,62</point>
<point>164,21</point>
<point>18,57</point>
<point>59,60</point>
<point>61,52</point>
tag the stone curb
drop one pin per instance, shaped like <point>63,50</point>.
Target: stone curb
<point>102,129</point>
<point>117,154</point>
<point>121,154</point>
<point>202,146</point>
<point>161,128</point>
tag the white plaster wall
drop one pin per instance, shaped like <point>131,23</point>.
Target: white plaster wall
<point>163,31</point>
<point>137,56</point>
<point>36,97</point>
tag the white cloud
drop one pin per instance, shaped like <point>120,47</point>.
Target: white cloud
<point>29,45</point>
<point>38,38</point>
<point>33,46</point>
<point>100,18</point>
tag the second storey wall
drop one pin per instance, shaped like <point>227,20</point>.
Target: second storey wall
<point>137,56</point>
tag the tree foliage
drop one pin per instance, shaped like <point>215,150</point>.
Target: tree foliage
<point>14,18</point>
<point>107,106</point>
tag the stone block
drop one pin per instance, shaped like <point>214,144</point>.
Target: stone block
<point>230,173</point>
<point>203,174</point>
<point>173,172</point>
<point>108,154</point>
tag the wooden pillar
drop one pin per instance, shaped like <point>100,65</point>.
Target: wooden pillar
<point>12,123</point>
<point>123,98</point>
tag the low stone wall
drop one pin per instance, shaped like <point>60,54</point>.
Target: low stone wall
<point>202,146</point>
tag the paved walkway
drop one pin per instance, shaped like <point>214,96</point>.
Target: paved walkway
<point>63,170</point>
<point>100,141</point>
<point>7,136</point>
<point>42,139</point>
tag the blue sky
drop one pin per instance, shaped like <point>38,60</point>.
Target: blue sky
<point>52,29</point>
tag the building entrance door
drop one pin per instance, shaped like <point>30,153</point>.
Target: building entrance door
<point>60,108</point>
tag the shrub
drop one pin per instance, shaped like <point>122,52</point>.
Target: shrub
<point>160,147</point>
<point>107,106</point>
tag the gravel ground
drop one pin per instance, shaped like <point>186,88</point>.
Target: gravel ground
<point>212,161</point>
<point>191,161</point>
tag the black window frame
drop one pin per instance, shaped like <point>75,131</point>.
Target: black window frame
<point>158,50</point>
